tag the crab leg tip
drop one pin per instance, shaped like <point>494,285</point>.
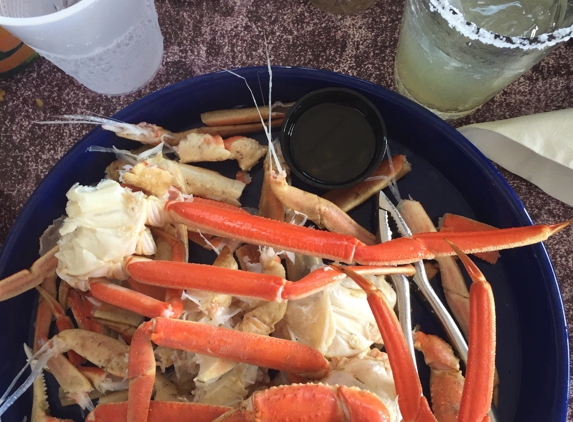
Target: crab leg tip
<point>470,266</point>
<point>555,228</point>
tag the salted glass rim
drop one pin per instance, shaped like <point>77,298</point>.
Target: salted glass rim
<point>472,31</point>
<point>43,19</point>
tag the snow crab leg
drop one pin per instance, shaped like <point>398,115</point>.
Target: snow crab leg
<point>27,279</point>
<point>298,401</point>
<point>391,169</point>
<point>237,116</point>
<point>177,275</point>
<point>478,387</point>
<point>225,221</point>
<point>446,379</point>
<point>319,210</point>
<point>211,219</point>
<point>298,358</point>
<point>269,352</point>
<point>159,411</point>
<point>194,145</point>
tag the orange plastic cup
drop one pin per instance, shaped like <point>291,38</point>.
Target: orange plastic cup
<point>14,54</point>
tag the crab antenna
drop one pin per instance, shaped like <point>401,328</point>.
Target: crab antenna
<point>272,149</point>
<point>270,84</point>
<point>266,127</point>
<point>36,368</point>
<point>128,156</point>
<point>79,118</point>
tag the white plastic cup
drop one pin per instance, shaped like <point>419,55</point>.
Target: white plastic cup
<point>112,47</point>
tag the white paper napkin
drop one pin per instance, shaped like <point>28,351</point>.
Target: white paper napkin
<point>538,148</point>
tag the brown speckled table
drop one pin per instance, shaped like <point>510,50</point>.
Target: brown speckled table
<point>205,36</point>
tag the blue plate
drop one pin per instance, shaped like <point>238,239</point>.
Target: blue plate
<point>449,175</point>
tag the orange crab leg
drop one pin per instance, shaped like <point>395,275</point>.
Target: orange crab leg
<point>453,283</point>
<point>63,322</point>
<point>446,379</point>
<point>44,313</point>
<point>42,325</point>
<point>453,222</point>
<point>141,373</point>
<point>159,411</point>
<point>478,387</point>
<point>413,405</point>
<point>125,298</point>
<point>83,310</point>
<point>319,210</point>
<point>178,254</point>
<point>265,351</point>
<point>177,275</point>
<point>430,245</point>
<point>268,352</point>
<point>141,303</point>
<point>151,291</point>
<point>313,283</point>
<point>28,279</point>
<point>299,402</point>
<point>262,231</point>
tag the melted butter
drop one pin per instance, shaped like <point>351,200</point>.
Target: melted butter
<point>333,143</point>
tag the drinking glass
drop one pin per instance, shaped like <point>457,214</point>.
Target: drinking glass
<point>111,46</point>
<point>452,66</point>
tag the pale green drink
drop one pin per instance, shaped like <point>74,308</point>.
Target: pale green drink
<point>452,73</point>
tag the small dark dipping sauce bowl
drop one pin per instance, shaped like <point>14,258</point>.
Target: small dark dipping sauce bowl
<point>333,138</point>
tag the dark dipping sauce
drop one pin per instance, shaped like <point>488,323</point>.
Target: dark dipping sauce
<point>333,143</point>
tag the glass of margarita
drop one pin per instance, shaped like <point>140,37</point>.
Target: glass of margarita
<point>455,55</point>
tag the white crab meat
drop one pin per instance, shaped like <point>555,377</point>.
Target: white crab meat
<point>104,225</point>
<point>367,371</point>
<point>337,321</point>
<point>231,388</point>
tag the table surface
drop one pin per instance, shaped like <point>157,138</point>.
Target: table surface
<point>206,36</point>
